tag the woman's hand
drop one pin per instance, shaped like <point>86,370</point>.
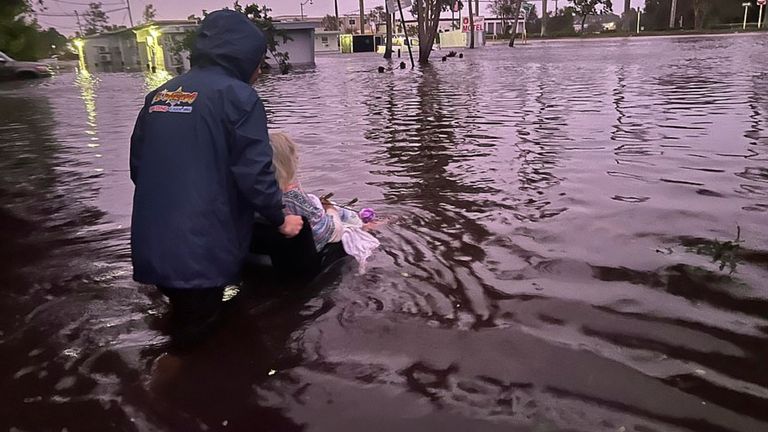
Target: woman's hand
<point>291,226</point>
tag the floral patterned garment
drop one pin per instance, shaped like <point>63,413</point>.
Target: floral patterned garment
<point>298,203</point>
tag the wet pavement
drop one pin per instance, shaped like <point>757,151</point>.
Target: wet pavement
<point>577,242</point>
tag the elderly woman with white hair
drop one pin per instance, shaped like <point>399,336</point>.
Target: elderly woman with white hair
<point>330,224</point>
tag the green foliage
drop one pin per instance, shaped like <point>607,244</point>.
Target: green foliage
<point>585,8</point>
<point>96,20</point>
<point>330,23</point>
<point>725,254</point>
<point>504,9</point>
<point>561,24</point>
<point>711,14</point>
<point>149,13</point>
<point>259,15</point>
<point>20,34</point>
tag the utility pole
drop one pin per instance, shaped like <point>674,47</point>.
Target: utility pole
<point>130,15</point>
<point>336,8</point>
<point>77,15</point>
<point>544,18</point>
<point>405,30</point>
<point>471,28</point>
<point>627,26</point>
<point>673,14</point>
<point>362,16</point>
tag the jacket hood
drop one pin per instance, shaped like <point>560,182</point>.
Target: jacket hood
<point>228,39</point>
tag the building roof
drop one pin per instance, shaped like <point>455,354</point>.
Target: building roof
<point>161,23</point>
<point>108,33</point>
<point>294,25</point>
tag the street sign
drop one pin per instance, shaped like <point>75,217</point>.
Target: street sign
<point>746,4</point>
<point>478,21</point>
<point>762,2</point>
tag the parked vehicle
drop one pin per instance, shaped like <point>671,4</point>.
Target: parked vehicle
<point>11,69</point>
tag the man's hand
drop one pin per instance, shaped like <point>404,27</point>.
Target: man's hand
<point>291,227</point>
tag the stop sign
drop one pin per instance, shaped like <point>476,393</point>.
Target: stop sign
<point>761,2</point>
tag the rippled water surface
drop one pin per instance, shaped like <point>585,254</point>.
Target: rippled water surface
<point>577,242</point>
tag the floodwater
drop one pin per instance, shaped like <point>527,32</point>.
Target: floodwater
<point>577,242</point>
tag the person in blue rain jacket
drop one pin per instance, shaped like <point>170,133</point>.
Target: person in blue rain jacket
<point>201,164</point>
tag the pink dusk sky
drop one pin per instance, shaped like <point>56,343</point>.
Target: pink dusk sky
<point>60,13</point>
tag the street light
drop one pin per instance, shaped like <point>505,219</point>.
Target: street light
<point>302,3</point>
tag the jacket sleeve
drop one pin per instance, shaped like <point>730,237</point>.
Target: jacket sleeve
<point>137,139</point>
<point>251,165</point>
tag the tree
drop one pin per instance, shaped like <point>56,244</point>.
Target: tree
<point>561,23</point>
<point>585,8</point>
<point>388,43</point>
<point>532,21</point>
<point>427,22</point>
<point>149,13</point>
<point>503,9</point>
<point>378,15</point>
<point>21,36</point>
<point>259,15</point>
<point>96,20</point>
<point>330,23</point>
<point>514,26</point>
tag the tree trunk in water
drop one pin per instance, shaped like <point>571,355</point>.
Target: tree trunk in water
<point>471,28</point>
<point>544,18</point>
<point>388,43</point>
<point>583,21</point>
<point>428,22</point>
<point>514,26</point>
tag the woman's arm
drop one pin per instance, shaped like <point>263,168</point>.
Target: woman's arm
<point>299,203</point>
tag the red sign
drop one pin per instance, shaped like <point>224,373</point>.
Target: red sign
<point>762,2</point>
<point>478,21</point>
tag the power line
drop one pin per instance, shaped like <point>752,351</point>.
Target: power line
<point>72,15</point>
<point>87,4</point>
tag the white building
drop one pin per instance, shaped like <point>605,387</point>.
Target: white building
<point>300,45</point>
<point>327,41</point>
<point>498,27</point>
<point>158,46</point>
<point>114,51</point>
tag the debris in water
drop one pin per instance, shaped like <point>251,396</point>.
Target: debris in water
<point>271,372</point>
<point>225,422</point>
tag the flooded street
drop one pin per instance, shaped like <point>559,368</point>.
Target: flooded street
<point>578,242</point>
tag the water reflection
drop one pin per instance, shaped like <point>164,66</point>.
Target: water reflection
<point>561,255</point>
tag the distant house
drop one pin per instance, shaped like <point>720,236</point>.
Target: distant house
<point>157,46</point>
<point>496,26</point>
<point>114,51</point>
<point>327,41</point>
<point>300,45</point>
<point>152,46</point>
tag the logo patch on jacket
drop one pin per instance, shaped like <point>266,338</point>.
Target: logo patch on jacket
<point>176,101</point>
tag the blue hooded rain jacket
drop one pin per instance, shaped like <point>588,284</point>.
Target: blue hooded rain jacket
<point>201,163</point>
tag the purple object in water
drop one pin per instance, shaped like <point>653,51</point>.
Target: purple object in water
<point>367,215</point>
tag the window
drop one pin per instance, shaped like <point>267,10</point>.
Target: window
<point>351,22</point>
<point>324,39</point>
<point>102,49</point>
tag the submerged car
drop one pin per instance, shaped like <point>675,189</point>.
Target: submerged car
<point>11,69</point>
